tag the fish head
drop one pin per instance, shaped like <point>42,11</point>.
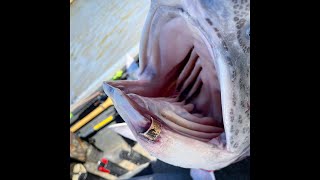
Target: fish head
<point>190,106</point>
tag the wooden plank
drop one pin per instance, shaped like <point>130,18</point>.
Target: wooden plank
<point>103,35</point>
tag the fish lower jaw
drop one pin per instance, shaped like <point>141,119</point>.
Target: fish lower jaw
<point>178,117</point>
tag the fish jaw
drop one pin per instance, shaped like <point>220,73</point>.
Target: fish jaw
<point>159,80</point>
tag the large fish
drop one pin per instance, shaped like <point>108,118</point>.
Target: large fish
<point>190,106</point>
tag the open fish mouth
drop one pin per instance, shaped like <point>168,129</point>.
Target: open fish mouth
<point>179,87</point>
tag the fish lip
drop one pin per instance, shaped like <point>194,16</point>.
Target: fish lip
<point>115,93</point>
<point>143,132</point>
